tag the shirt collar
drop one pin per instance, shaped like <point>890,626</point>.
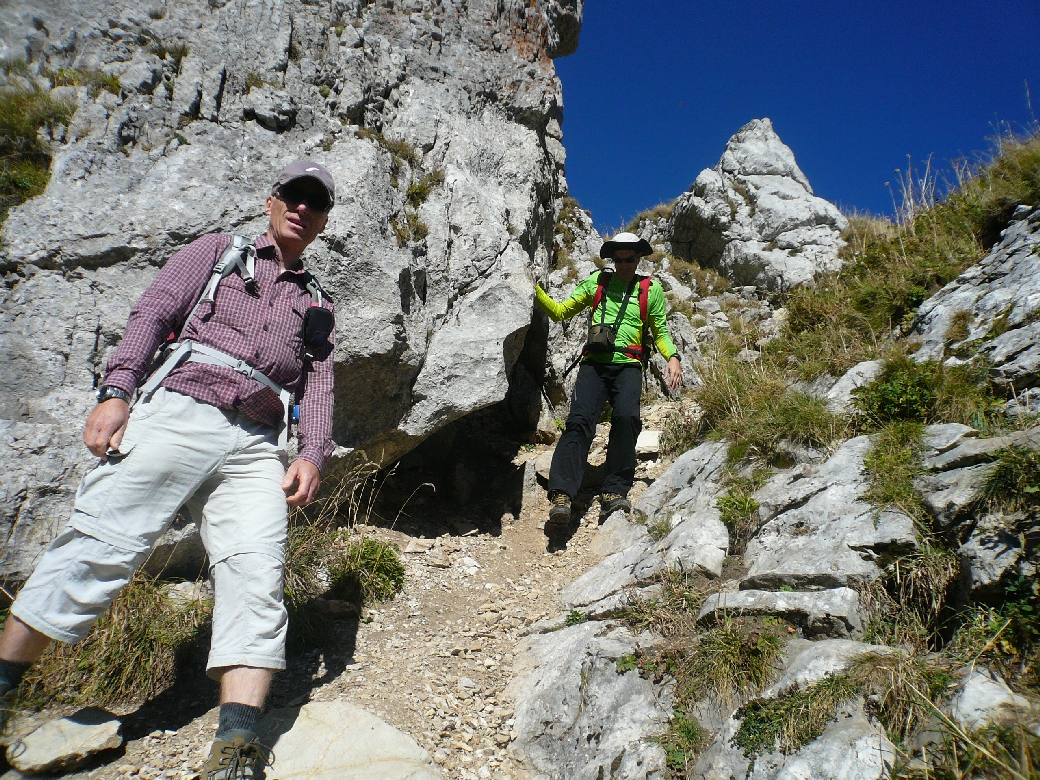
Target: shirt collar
<point>265,249</point>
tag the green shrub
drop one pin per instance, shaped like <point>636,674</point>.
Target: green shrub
<point>322,564</point>
<point>928,392</point>
<point>681,742</point>
<point>739,510</point>
<point>575,618</point>
<point>419,191</point>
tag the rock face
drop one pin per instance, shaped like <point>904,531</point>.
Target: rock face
<point>440,122</point>
<point>754,217</point>
<point>850,747</point>
<point>818,530</point>
<point>334,740</point>
<point>577,718</point>
<point>66,743</point>
<point>992,309</point>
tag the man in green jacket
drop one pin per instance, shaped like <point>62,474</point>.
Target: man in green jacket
<point>611,374</point>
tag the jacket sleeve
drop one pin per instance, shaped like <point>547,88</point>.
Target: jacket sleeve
<point>657,315</point>
<point>162,310</point>
<point>580,299</point>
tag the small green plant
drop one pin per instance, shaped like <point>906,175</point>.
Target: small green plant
<point>739,510</point>
<point>626,663</point>
<point>575,618</point>
<point>659,529</point>
<point>681,742</point>
<point>419,191</point>
<point>254,80</point>
<point>324,91</point>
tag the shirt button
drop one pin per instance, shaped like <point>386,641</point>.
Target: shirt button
<point>257,354</point>
<point>265,327</point>
<point>270,304</point>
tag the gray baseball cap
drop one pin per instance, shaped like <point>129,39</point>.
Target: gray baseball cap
<point>307,169</point>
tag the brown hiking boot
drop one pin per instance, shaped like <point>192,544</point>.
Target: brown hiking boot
<point>560,511</point>
<point>237,755</point>
<point>609,503</point>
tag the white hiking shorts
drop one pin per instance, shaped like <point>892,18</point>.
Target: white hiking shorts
<point>176,450</point>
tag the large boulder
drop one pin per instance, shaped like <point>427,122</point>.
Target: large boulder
<point>577,717</point>
<point>754,217</point>
<point>818,529</point>
<point>991,310</point>
<point>441,129</point>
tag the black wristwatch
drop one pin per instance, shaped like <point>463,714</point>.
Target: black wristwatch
<point>106,392</point>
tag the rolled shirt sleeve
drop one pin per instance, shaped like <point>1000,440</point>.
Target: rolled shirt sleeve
<point>314,434</point>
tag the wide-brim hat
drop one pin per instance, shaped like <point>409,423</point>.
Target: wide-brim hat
<point>626,241</point>
<point>307,169</point>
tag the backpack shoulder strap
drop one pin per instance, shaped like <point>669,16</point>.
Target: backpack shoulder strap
<point>314,288</point>
<point>644,297</point>
<point>602,281</point>
<point>240,254</point>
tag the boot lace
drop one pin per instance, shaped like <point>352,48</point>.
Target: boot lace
<point>235,760</point>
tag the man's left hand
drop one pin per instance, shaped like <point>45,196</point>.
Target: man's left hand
<point>673,374</point>
<point>306,478</point>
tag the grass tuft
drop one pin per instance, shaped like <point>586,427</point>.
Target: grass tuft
<point>793,719</point>
<point>132,653</point>
<point>751,405</point>
<point>24,158</point>
<point>730,661</point>
<point>910,603</point>
<point>1014,483</point>
<point>739,510</point>
<point>892,464</point>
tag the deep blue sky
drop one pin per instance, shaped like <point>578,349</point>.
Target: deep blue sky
<point>657,88</point>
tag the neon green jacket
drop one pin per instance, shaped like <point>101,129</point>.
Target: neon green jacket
<point>630,331</point>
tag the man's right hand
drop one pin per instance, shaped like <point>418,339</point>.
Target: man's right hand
<point>105,426</point>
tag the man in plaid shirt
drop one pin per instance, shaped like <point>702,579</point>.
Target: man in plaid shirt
<point>208,437</point>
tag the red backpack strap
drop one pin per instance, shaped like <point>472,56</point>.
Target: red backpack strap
<point>601,288</point>
<point>644,297</point>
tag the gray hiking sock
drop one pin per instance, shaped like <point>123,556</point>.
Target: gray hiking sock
<point>234,715</point>
<point>11,673</point>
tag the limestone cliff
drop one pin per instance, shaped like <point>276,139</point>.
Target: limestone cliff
<point>440,120</point>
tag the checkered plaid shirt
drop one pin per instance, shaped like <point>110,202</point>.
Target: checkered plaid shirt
<point>264,329</point>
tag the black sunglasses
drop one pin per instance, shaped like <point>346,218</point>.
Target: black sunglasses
<point>633,259</point>
<point>316,201</point>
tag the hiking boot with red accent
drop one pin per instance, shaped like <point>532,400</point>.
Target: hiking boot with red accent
<point>560,511</point>
<point>609,503</point>
<point>237,755</point>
